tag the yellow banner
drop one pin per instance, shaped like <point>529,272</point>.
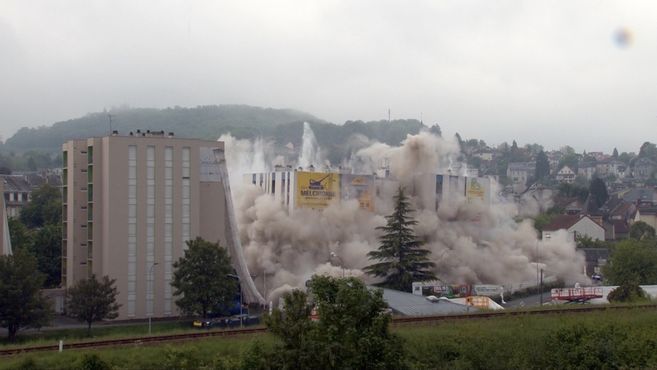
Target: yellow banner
<point>475,190</point>
<point>359,187</point>
<point>316,189</point>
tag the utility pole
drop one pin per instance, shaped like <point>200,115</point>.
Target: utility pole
<point>109,117</point>
<point>541,288</point>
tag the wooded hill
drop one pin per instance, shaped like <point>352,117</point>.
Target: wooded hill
<point>209,122</point>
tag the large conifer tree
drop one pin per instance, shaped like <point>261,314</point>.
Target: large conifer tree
<point>401,258</point>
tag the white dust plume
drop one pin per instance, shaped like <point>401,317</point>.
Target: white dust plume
<point>470,242</point>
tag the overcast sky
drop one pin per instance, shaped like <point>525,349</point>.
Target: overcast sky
<point>550,72</point>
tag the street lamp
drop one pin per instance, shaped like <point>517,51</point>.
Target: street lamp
<point>152,295</point>
<point>333,255</point>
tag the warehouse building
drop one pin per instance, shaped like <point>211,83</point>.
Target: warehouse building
<point>316,190</point>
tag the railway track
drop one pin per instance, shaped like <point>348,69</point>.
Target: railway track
<point>137,341</point>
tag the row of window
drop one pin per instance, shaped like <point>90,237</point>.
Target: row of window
<point>17,196</point>
<point>151,200</point>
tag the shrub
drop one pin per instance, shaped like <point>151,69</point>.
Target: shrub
<point>93,362</point>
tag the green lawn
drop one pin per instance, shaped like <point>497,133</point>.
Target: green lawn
<point>618,338</point>
<point>46,337</point>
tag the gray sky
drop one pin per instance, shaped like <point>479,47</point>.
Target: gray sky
<point>536,71</point>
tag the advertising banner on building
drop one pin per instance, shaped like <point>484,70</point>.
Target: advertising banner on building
<point>475,189</point>
<point>316,189</point>
<point>359,187</point>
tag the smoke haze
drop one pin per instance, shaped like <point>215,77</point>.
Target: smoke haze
<point>471,242</point>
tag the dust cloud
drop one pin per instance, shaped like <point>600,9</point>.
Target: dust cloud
<point>471,242</point>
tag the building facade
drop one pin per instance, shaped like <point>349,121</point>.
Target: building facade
<point>297,189</point>
<point>17,193</point>
<point>5,239</point>
<point>576,226</point>
<point>566,175</point>
<point>130,204</point>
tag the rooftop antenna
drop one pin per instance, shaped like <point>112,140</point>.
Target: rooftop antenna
<point>109,117</point>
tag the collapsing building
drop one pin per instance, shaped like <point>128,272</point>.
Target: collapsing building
<point>316,190</point>
<point>5,239</point>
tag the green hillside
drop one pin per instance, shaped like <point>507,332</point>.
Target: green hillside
<point>209,122</point>
<point>205,121</point>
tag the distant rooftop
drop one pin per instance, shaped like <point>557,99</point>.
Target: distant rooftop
<point>408,304</point>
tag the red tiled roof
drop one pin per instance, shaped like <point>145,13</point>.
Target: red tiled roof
<point>562,222</point>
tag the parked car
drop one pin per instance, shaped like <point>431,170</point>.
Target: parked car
<point>219,322</point>
<point>227,322</point>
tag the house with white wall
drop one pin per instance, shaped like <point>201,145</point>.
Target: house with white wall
<point>576,226</point>
<point>566,175</point>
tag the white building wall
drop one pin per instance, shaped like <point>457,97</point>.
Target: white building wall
<point>586,226</point>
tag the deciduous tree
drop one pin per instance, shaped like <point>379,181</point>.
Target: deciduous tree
<point>90,300</point>
<point>641,230</point>
<point>401,258</point>
<point>21,302</point>
<point>632,262</point>
<point>628,292</point>
<point>45,207</point>
<point>351,331</point>
<point>202,278</point>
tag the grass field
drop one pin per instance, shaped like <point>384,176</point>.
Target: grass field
<point>97,332</point>
<point>612,339</point>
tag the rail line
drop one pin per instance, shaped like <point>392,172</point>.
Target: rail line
<point>137,341</point>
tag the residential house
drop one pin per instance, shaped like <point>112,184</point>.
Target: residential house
<point>485,155</point>
<point>566,175</point>
<point>611,167</point>
<point>575,226</point>
<point>647,215</point>
<point>586,170</point>
<point>18,188</point>
<point>644,168</point>
<point>520,172</point>
<point>554,157</point>
<point>642,197</point>
<point>599,156</point>
<point>621,230</point>
<point>17,193</point>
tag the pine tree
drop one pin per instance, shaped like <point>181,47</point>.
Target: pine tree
<point>401,258</point>
<point>542,166</point>
<point>598,191</point>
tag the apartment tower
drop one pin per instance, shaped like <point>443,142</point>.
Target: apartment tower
<point>131,202</point>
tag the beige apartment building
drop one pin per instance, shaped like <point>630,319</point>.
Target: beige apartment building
<point>131,202</point>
